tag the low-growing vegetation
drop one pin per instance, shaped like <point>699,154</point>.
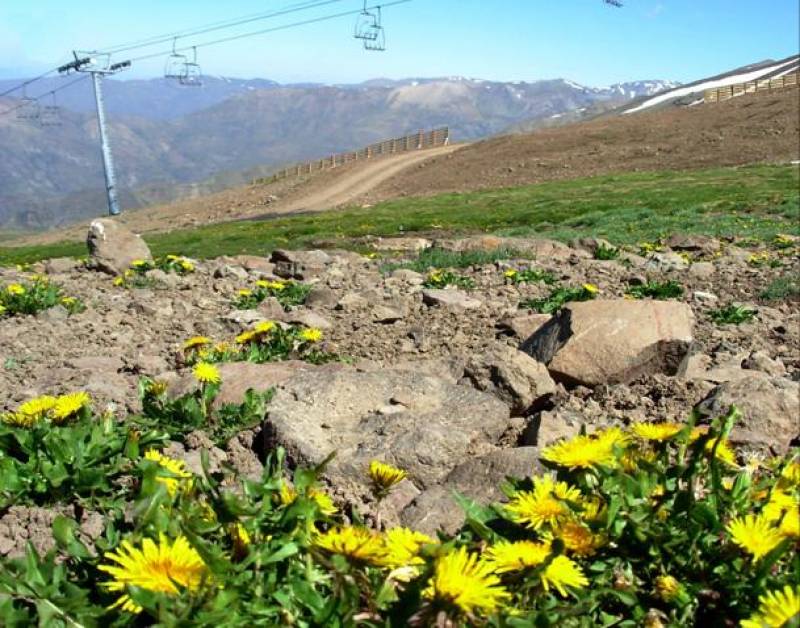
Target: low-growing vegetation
<point>444,278</point>
<point>782,288</point>
<point>34,296</point>
<point>732,315</point>
<point>604,252</point>
<point>529,275</point>
<point>267,341</point>
<point>658,524</point>
<point>758,201</point>
<point>661,290</point>
<point>288,293</point>
<point>559,297</point>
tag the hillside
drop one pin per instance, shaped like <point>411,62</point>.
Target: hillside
<point>758,129</point>
<point>53,175</point>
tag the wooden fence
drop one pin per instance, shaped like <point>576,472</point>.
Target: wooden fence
<point>416,141</point>
<point>751,87</point>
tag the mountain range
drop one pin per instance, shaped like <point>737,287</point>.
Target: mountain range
<point>172,141</point>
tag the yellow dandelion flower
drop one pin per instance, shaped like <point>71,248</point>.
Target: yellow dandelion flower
<point>206,373</point>
<point>402,547</point>
<point>724,451</point>
<point>119,281</point>
<point>175,468</point>
<point>578,539</point>
<point>15,289</point>
<point>240,538</point>
<point>510,273</point>
<point>157,387</point>
<point>594,510</point>
<point>791,474</point>
<point>546,504</point>
<point>586,451</point>
<point>506,556</point>
<point>790,524</point>
<point>245,293</point>
<point>356,544</point>
<point>326,506</point>
<point>245,337</point>
<point>563,572</point>
<point>172,258</point>
<point>69,405</point>
<point>466,584</point>
<point>38,407</point>
<point>311,335</point>
<point>656,431</point>
<point>384,477</point>
<point>196,341</point>
<point>775,609</point>
<point>667,588</point>
<point>755,535</point>
<point>779,502</point>
<point>264,327</point>
<point>139,263</point>
<point>591,288</point>
<point>186,265</point>
<point>18,419</point>
<point>165,567</point>
<point>68,301</point>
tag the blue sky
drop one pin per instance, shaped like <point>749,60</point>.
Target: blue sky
<point>583,40</point>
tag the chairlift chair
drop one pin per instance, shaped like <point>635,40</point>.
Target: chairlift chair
<point>50,114</point>
<point>365,25</point>
<point>192,75</point>
<point>175,66</point>
<point>29,108</point>
<point>377,39</point>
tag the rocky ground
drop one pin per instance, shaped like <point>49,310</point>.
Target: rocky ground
<point>459,387</point>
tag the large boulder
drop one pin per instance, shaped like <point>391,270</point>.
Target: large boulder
<point>512,376</point>
<point>770,409</point>
<point>113,248</point>
<point>421,423</point>
<point>299,264</point>
<point>613,341</point>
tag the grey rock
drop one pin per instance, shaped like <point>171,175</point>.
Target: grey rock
<point>523,326</point>
<point>112,247</point>
<point>704,297</point>
<point>384,314</point>
<point>309,318</point>
<point>512,376</point>
<point>435,509</point>
<point>702,270</point>
<point>428,428</point>
<point>455,299</point>
<point>665,262</point>
<point>769,406</point>
<point>321,297</point>
<point>59,265</point>
<point>613,341</point>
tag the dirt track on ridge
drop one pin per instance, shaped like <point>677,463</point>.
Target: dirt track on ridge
<point>316,192</point>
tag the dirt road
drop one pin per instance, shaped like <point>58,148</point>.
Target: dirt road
<point>317,192</point>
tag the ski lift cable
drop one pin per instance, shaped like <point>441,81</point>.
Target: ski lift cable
<point>182,34</point>
<point>223,40</point>
<point>48,93</point>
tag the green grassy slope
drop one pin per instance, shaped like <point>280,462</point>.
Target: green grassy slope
<point>757,201</point>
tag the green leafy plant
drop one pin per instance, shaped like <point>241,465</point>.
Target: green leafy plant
<point>604,252</point>
<point>782,288</point>
<point>36,295</point>
<point>288,293</point>
<point>656,290</point>
<point>196,410</point>
<point>266,342</point>
<point>732,315</point>
<point>435,257</point>
<point>444,278</point>
<point>560,297</point>
<point>529,275</point>
<point>53,449</point>
<point>656,523</point>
